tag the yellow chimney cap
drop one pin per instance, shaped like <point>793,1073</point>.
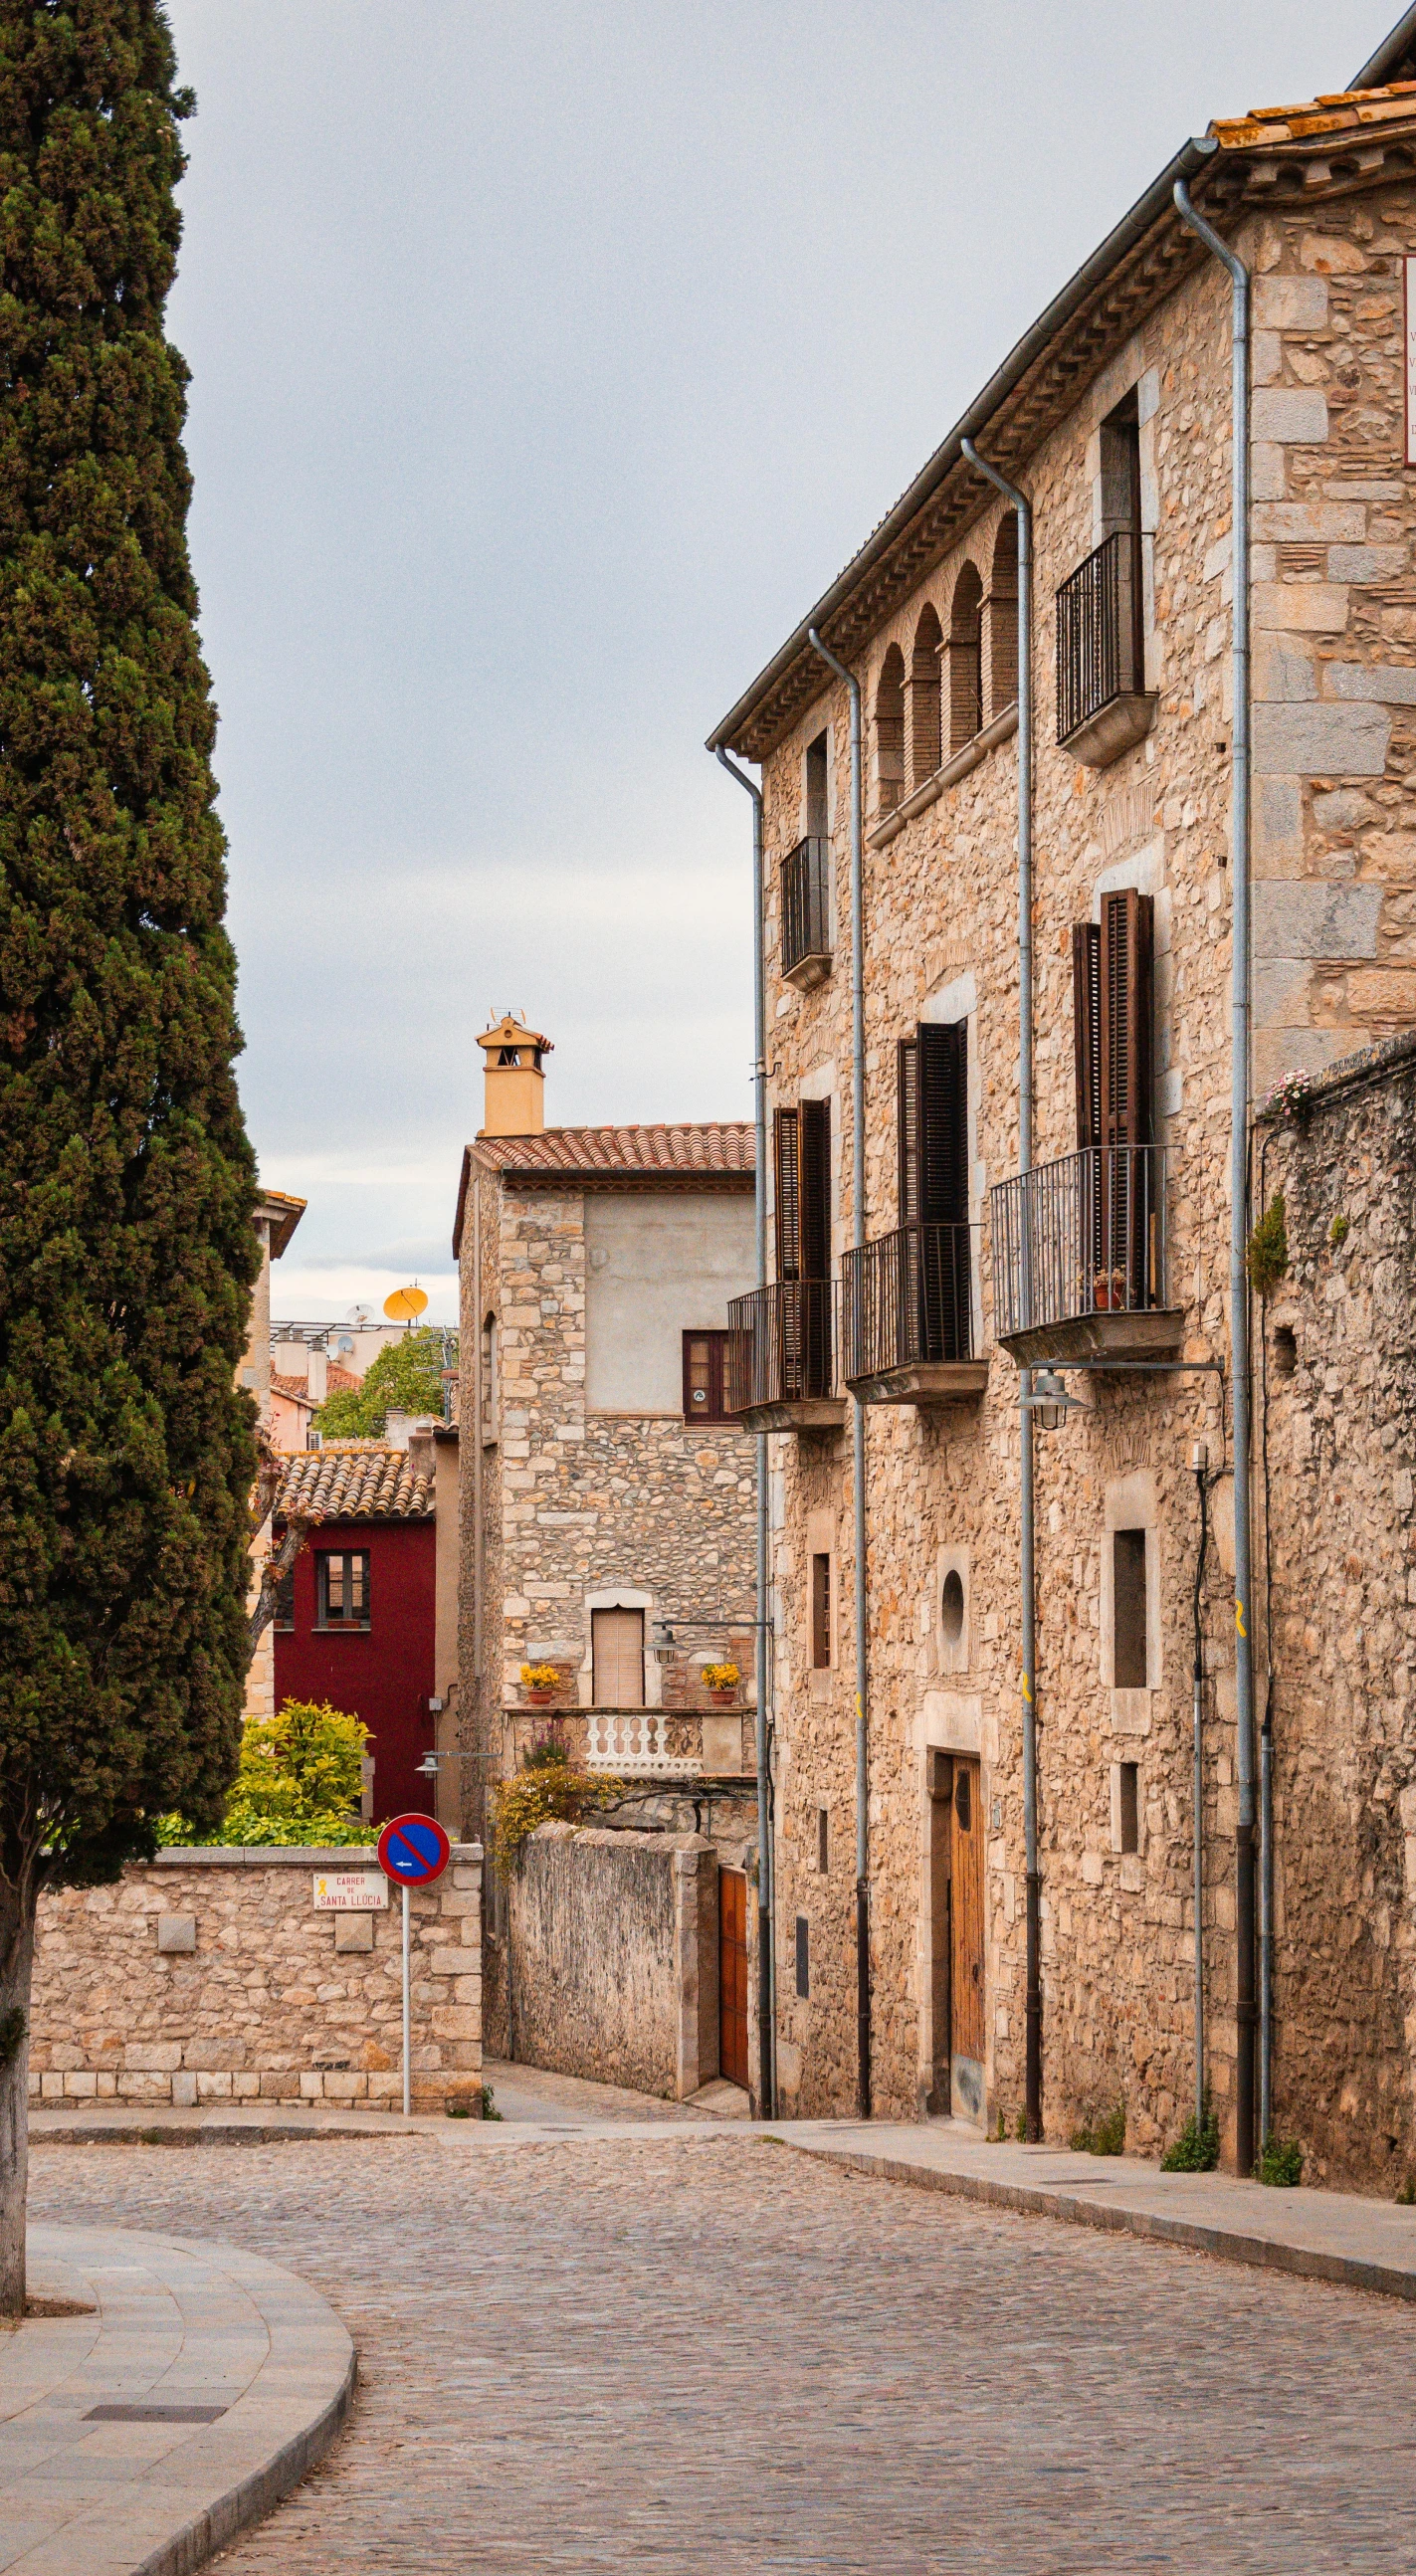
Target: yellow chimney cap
<point>511,1032</point>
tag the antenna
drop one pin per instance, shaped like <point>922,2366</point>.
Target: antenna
<point>406,1304</point>
<point>360,1316</point>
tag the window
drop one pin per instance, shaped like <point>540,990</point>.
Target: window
<point>965,671</point>
<point>820,1613</point>
<point>1000,638</point>
<point>705,1390</point>
<point>343,1588</point>
<point>823,1840</point>
<point>925,686</point>
<point>890,731</point>
<point>285,1599</point>
<point>817,788</point>
<point>932,1137</point>
<point>802,1191</point>
<point>1128,1783</point>
<point>491,1392</point>
<point>803,1958</point>
<point>1112,979</point>
<point>617,1650</point>
<point>951,1607</point>
<point>1128,1609</point>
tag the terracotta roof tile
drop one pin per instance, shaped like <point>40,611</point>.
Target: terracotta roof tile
<point>297,1388</point>
<point>718,1146</point>
<point>1340,112</point>
<point>353,1480</point>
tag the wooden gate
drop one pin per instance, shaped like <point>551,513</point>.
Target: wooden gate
<point>732,1975</point>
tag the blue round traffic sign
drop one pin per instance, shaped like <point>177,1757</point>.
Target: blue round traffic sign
<point>413,1850</point>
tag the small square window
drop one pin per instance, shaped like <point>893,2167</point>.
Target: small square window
<point>1130,1805</point>
<point>344,1588</point>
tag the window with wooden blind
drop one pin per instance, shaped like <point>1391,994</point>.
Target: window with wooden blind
<point>617,1649</point>
<point>821,1613</point>
<point>705,1388</point>
<point>1112,979</point>
<point>343,1588</point>
<point>932,1137</point>
<point>802,1141</point>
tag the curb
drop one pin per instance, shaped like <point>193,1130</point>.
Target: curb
<point>1258,2253</point>
<point>255,2495</point>
<point>268,2134</point>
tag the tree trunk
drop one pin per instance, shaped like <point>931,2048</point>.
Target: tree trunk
<point>17,1904</point>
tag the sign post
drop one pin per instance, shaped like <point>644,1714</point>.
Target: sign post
<point>413,1851</point>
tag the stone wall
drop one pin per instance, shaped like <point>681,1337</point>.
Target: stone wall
<point>208,1976</point>
<point>613,1943</point>
<point>1335,633</point>
<point>1335,1455</point>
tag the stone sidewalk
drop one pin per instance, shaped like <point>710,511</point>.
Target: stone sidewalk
<point>196,2386</point>
<point>1318,2235</point>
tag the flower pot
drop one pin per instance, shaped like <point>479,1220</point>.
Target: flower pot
<point>540,1698</point>
<point>723,1698</point>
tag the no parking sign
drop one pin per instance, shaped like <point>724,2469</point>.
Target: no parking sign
<point>413,1851</point>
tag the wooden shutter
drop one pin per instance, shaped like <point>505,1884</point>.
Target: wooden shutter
<point>787,1177</point>
<point>943,1122</point>
<point>815,1220</point>
<point>1126,943</point>
<point>617,1642</point>
<point>907,1128</point>
<point>1086,1029</point>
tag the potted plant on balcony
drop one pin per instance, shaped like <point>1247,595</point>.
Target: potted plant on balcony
<point>540,1682</point>
<point>721,1681</point>
<point>1109,1291</point>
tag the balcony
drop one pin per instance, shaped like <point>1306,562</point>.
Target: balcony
<point>908,1318</point>
<point>642,1744</point>
<point>806,913</point>
<point>1079,1260</point>
<point>781,1358</point>
<point>1103,705</point>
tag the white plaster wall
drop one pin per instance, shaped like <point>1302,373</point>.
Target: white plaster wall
<point>655,1269</point>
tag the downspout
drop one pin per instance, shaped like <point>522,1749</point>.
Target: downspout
<point>862,1750</point>
<point>766,1947</point>
<point>1027,1577</point>
<point>1198,1719</point>
<point>1244,2141</point>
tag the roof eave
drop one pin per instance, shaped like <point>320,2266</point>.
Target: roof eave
<point>1193,157</point>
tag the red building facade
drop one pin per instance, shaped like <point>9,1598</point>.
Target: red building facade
<point>356,1625</point>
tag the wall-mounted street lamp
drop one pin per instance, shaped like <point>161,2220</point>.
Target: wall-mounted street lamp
<point>1049,1401</point>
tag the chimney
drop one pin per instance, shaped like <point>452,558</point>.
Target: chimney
<point>514,1083</point>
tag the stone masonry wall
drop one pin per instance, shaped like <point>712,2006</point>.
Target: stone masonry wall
<point>1334,616</point>
<point>270,2005</point>
<point>1335,1453</point>
<point>614,1957</point>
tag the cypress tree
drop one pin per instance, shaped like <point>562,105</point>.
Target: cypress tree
<point>127,1189</point>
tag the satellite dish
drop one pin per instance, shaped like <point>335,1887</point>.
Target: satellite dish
<point>406,1305</point>
<point>360,1315</point>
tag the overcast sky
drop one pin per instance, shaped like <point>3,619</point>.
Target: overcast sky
<point>548,362</point>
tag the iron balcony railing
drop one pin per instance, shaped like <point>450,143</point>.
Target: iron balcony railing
<point>906,1298</point>
<point>1100,649</point>
<point>806,894</point>
<point>1085,1236</point>
<point>781,1344</point>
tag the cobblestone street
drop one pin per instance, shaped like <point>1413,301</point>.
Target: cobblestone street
<point>707,2354</point>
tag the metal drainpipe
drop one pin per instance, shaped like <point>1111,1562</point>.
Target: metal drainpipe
<point>1027,1577</point>
<point>857,1409</point>
<point>1198,1678</point>
<point>766,1894</point>
<point>1239,1197</point>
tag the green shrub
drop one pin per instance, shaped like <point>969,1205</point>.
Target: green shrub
<point>1196,2150</point>
<point>1105,2136</point>
<point>1267,1256</point>
<point>551,1792</point>
<point>406,1376</point>
<point>299,1781</point>
<point>1280,2163</point>
<point>544,1752</point>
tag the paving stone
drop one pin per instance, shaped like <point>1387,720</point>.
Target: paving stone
<point>706,2353</point>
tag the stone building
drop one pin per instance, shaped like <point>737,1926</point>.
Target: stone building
<point>608,1502</point>
<point>1110,1263</point>
<point>276,1218</point>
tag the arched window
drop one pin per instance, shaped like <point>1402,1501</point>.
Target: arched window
<point>890,731</point>
<point>965,677</point>
<point>491,1390</point>
<point>925,683</point>
<point>1001,620</point>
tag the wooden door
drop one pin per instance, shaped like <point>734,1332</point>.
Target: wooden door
<point>966,1910</point>
<point>941,1937</point>
<point>732,1975</point>
<point>617,1639</point>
